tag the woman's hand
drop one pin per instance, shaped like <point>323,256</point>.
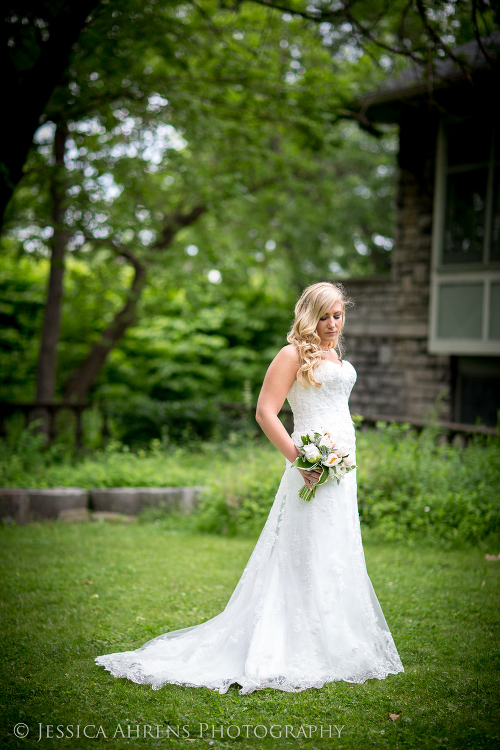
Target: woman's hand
<point>311,476</point>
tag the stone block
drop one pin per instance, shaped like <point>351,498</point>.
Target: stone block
<point>44,504</point>
<point>425,375</point>
<point>116,500</point>
<point>101,516</point>
<point>74,515</point>
<point>170,498</point>
<point>182,499</point>
<point>14,505</point>
<point>191,498</point>
<point>385,354</point>
<point>131,500</point>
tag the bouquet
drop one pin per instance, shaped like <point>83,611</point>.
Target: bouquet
<point>321,450</point>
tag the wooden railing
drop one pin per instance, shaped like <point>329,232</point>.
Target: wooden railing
<point>452,428</point>
<point>48,411</point>
<point>370,420</point>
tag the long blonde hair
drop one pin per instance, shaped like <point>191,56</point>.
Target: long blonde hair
<point>314,302</point>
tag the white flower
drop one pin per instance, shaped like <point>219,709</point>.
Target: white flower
<point>311,436</point>
<point>348,462</point>
<point>331,460</point>
<point>298,443</point>
<point>311,452</point>
<point>327,441</point>
<point>341,451</point>
<point>341,471</point>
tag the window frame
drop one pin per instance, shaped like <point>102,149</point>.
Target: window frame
<point>486,271</point>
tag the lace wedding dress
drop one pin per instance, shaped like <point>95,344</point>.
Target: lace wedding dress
<point>304,612</point>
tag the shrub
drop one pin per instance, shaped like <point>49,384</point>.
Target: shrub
<point>408,485</point>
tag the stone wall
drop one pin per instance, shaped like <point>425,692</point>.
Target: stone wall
<point>386,330</point>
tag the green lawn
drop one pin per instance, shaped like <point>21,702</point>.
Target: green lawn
<point>442,607</point>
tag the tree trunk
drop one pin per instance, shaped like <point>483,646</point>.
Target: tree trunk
<point>26,91</point>
<point>84,377</point>
<point>47,361</point>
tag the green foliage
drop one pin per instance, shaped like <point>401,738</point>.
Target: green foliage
<point>194,339</point>
<point>24,462</point>
<point>194,109</point>
<point>408,485</point>
<point>411,485</point>
<point>22,292</point>
<point>240,501</point>
<point>241,114</point>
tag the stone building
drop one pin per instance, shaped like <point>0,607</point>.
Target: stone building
<point>430,331</point>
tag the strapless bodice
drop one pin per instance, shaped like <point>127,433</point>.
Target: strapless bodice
<point>327,407</point>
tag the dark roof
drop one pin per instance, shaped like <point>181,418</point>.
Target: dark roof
<point>384,104</point>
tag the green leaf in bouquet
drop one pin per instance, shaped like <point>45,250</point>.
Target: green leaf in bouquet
<point>324,476</point>
<point>303,463</point>
<point>333,474</point>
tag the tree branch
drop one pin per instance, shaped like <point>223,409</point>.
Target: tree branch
<point>28,90</point>
<point>47,358</point>
<point>477,34</point>
<point>176,222</point>
<point>84,377</point>
<point>435,36</point>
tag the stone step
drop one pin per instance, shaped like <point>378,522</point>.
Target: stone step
<point>14,505</point>
<point>21,505</point>
<point>104,515</point>
<point>74,515</point>
<point>131,500</point>
<point>49,503</point>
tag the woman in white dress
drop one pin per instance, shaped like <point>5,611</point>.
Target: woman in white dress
<point>304,612</point>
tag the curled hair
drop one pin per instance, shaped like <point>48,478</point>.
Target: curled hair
<point>314,302</point>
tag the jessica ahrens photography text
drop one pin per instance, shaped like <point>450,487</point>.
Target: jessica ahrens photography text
<point>200,731</point>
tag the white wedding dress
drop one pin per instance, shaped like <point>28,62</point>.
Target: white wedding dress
<point>304,612</point>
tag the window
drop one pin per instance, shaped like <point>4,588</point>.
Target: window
<point>476,390</point>
<point>472,218</point>
<point>465,278</point>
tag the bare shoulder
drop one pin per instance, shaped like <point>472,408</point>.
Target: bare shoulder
<point>287,358</point>
<point>279,378</point>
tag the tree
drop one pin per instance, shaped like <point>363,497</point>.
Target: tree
<point>41,42</point>
<point>252,99</point>
<point>37,42</point>
<point>422,34</point>
<point>292,229</point>
<point>242,137</point>
<point>47,361</point>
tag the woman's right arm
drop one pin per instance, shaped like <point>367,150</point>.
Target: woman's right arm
<point>280,377</point>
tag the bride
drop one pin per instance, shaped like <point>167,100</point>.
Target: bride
<point>304,612</point>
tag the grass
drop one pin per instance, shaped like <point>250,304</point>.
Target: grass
<point>442,608</point>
